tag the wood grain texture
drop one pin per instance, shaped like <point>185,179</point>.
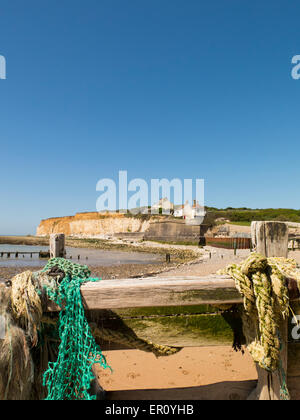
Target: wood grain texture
<point>148,292</point>
<point>271,240</point>
<point>158,292</point>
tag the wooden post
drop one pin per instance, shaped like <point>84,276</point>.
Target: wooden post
<point>271,240</point>
<point>57,246</point>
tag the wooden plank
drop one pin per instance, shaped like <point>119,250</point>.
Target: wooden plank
<point>158,292</point>
<point>149,292</point>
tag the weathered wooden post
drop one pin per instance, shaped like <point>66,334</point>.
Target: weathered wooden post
<point>271,240</point>
<point>57,245</point>
<point>235,247</point>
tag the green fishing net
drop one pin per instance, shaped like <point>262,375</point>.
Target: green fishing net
<point>69,378</point>
<point>69,268</point>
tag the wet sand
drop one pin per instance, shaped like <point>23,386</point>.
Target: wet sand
<point>102,272</point>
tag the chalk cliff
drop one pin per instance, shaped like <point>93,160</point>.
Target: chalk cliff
<point>88,225</point>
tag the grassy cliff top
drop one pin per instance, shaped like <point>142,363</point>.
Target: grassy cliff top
<point>246,216</point>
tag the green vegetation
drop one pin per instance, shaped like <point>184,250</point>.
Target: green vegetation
<point>241,223</point>
<point>245,216</point>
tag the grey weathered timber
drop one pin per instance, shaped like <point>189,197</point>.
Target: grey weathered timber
<point>149,292</point>
<point>57,245</point>
<point>159,292</point>
<point>271,240</point>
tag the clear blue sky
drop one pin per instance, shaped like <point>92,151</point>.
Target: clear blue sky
<point>172,88</point>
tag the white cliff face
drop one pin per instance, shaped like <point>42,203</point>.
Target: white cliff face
<point>92,225</point>
<point>91,228</point>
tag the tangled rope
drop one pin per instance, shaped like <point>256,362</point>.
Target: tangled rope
<point>26,304</point>
<point>263,285</point>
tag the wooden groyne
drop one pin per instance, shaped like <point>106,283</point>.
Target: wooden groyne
<point>187,312</point>
<point>178,312</point>
<point>17,254</point>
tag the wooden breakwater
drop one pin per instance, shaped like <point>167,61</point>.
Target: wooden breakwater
<point>18,254</point>
<point>229,243</point>
<point>185,312</point>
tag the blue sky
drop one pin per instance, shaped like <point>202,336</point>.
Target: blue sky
<point>172,88</point>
